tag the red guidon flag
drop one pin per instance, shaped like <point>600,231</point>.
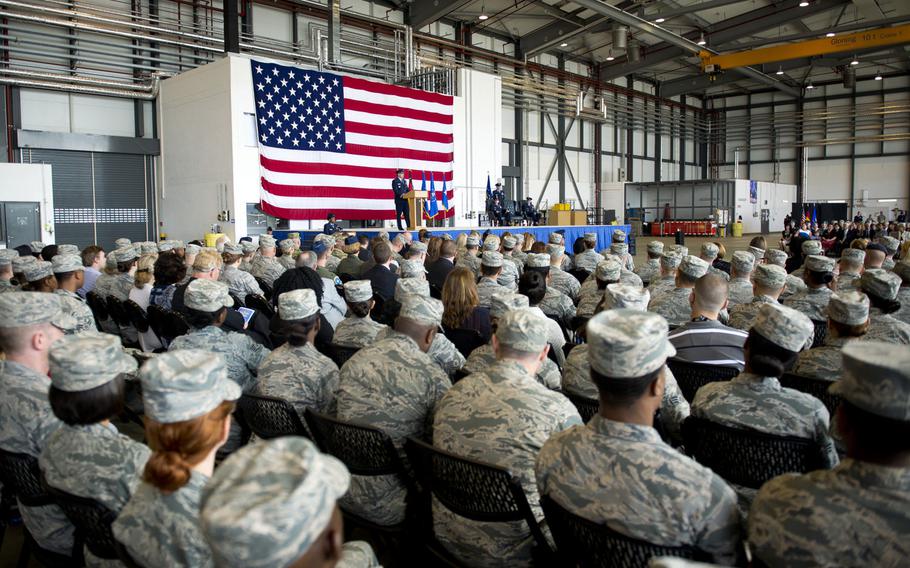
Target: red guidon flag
<point>329,143</point>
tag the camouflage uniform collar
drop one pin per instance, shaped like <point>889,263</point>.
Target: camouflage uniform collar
<point>504,370</point>
<point>96,429</point>
<point>874,475</point>
<point>15,369</point>
<point>398,336</point>
<point>62,292</point>
<point>623,430</point>
<point>831,341</point>
<point>209,330</point>
<point>762,299</point>
<point>756,382</point>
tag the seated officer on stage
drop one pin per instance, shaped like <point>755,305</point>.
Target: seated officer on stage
<point>331,227</point>
<point>529,212</point>
<point>497,212</point>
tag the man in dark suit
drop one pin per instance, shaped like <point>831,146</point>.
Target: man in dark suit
<point>380,276</point>
<point>438,271</point>
<point>399,188</point>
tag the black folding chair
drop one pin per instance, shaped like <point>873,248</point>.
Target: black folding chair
<point>551,355</point>
<point>98,306</point>
<point>580,274</point>
<point>693,376</point>
<point>266,289</point>
<point>237,301</point>
<point>117,312</point>
<point>821,332</point>
<point>269,417</point>
<point>158,321</point>
<point>587,407</point>
<point>136,316</point>
<point>459,374</point>
<point>748,457</point>
<point>580,542</point>
<point>473,490</point>
<point>465,340</point>
<point>260,303</point>
<point>91,519</point>
<point>816,387</point>
<point>341,353</point>
<point>176,324</point>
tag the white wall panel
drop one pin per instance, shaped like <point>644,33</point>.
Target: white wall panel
<point>272,23</point>
<point>45,110</point>
<point>102,115</point>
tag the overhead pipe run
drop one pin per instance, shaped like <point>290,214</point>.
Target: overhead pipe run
<point>149,95</point>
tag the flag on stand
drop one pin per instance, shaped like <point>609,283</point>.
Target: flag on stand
<point>329,143</point>
<point>489,189</point>
<point>432,205</point>
<point>814,218</point>
<point>445,197</point>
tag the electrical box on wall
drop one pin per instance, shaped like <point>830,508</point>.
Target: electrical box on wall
<point>621,174</point>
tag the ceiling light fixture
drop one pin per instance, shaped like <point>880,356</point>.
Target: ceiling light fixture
<point>878,76</point>
<point>780,71</point>
<point>830,34</point>
<point>483,13</point>
<point>855,61</point>
<point>610,55</point>
<point>702,40</point>
<point>810,86</point>
<point>803,4</point>
<point>482,17</point>
<point>564,44</point>
<point>660,20</point>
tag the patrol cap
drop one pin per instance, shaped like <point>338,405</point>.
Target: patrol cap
<point>509,242</point>
<point>880,283</point>
<point>656,247</point>
<point>20,263</point>
<point>619,236</point>
<point>183,384</point>
<point>693,267</point>
<point>555,239</point>
<point>413,269</point>
<point>148,248</point>
<point>876,378</point>
<point>7,256</point>
<point>770,276</point>
<point>618,296</point>
<point>555,251</point>
<point>628,343</point>
<point>421,309</point>
<point>818,263</point>
<point>902,269</point>
<point>110,261</point>
<point>680,250</point>
<point>38,270</point>
<point>294,235</point>
<point>267,504</point>
<point>853,255</point>
<point>848,307</point>
<point>446,237</point>
<point>248,247</point>
<point>407,286</point>
<point>783,326</point>
<point>536,260</point>
<point>287,244</point>
<point>36,246</point>
<point>502,302</point>
<point>491,243</point>
<point>207,295</point>
<point>384,235</point>
<point>608,269</point>
<point>266,241</point>
<point>231,248</point>
<point>88,360</point>
<point>192,249</point>
<point>297,304</point>
<point>67,249</point>
<point>165,246</point>
<point>776,256</point>
<point>358,291</point>
<point>493,259</point>
<point>743,261</point>
<point>179,245</point>
<point>592,237</point>
<point>19,309</point>
<point>710,250</point>
<point>472,241</point>
<point>890,243</point>
<point>758,253</point>
<point>519,238</point>
<point>66,263</point>
<point>417,246</point>
<point>619,248</point>
<point>122,242</point>
<point>670,260</point>
<point>811,247</point>
<point>522,330</point>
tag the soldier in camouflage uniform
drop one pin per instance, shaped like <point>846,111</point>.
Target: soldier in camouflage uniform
<point>621,473</point>
<point>809,248</point>
<point>508,275</point>
<point>249,249</point>
<point>266,266</point>
<point>850,268</point>
<point>6,269</point>
<point>468,257</point>
<point>559,278</point>
<point>891,245</point>
<point>651,269</point>
<point>393,385</point>
<point>490,268</point>
<point>500,416</point>
<point>620,247</point>
<point>483,357</point>
<point>518,253</point>
<point>669,264</point>
<point>412,269</point>
<point>554,302</point>
<point>848,319</point>
<point>296,371</point>
<point>902,269</point>
<point>69,270</point>
<point>20,263</point>
<point>567,261</point>
<point>239,283</point>
<point>675,306</point>
<point>40,277</point>
<point>592,291</point>
<point>709,252</point>
<point>275,504</point>
<point>508,246</point>
<point>358,329</point>
<point>793,284</point>
<point>740,290</point>
<point>769,281</point>
<point>882,286</point>
<point>159,526</point>
<point>86,456</point>
<point>351,263</point>
<point>206,301</point>
<point>588,259</point>
<point>286,259</point>
<point>857,513</point>
<point>30,323</point>
<point>813,301</point>
<point>127,259</point>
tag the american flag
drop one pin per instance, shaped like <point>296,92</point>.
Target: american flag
<point>330,143</point>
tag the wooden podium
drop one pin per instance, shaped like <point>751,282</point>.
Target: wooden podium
<point>415,207</point>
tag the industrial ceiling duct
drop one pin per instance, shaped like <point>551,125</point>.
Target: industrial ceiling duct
<point>620,37</point>
<point>849,77</point>
<point>634,52</point>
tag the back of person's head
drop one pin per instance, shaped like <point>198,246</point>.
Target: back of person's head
<point>49,252</point>
<point>819,270</point>
<point>307,259</point>
<point>759,242</point>
<point>875,255</point>
<point>578,246</point>
<point>777,336</point>
<point>90,254</point>
<point>521,335</point>
<point>298,315</point>
<point>447,249</point>
<point>533,284</point>
<point>539,247</point>
<point>169,269</point>
<point>459,296</point>
<point>358,295</point>
<point>710,293</point>
<point>419,318</point>
<point>145,270</point>
<point>382,253</point>
<point>206,262</point>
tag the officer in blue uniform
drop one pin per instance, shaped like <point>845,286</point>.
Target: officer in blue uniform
<point>331,227</point>
<point>399,187</point>
<point>529,212</point>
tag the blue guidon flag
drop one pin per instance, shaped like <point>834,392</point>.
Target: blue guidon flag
<point>333,143</point>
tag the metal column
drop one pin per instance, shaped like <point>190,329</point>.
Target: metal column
<point>231,27</point>
<point>561,141</point>
<point>334,53</point>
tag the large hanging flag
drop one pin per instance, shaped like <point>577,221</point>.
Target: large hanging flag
<point>330,143</point>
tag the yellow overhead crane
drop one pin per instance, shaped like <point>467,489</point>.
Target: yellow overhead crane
<point>714,63</point>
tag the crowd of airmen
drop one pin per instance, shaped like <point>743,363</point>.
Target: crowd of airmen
<point>276,502</point>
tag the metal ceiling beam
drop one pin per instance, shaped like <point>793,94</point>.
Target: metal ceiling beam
<point>698,83</point>
<point>423,12</point>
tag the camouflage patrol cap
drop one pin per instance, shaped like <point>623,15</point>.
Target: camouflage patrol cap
<point>491,243</point>
<point>620,249</point>
<point>266,241</point>
<point>231,248</point>
<point>207,295</point>
<point>502,302</point>
<point>493,259</point>
<point>164,246</point>
<point>297,304</point>
<point>848,307</point>
<point>417,246</point>
<point>110,261</point>
<point>670,260</point>
<point>267,504</point>
<point>179,245</point>
<point>7,256</point>
<point>288,244</point>
<point>421,309</point>
<point>770,276</point>
<point>38,270</point>
<point>710,250</point>
<point>776,256</point>
<point>608,270</point>
<point>656,247</point>
<point>555,251</point>
<point>693,267</point>
<point>902,269</point>
<point>88,360</point>
<point>136,246</point>
<point>66,263</point>
<point>743,261</point>
<point>783,326</point>
<point>818,263</point>
<point>192,249</point>
<point>472,241</point>
<point>679,249</point>
<point>446,237</point>
<point>19,309</point>
<point>122,242</point>
<point>183,384</point>
<point>126,254</point>
<point>67,249</point>
<point>536,260</point>
<point>880,283</point>
<point>248,247</point>
<point>618,296</point>
<point>757,253</point>
<point>509,242</point>
<point>413,269</point>
<point>36,246</point>
<point>811,247</point>
<point>20,263</point>
<point>519,238</point>
<point>294,235</point>
<point>148,248</point>
<point>407,286</point>
<point>590,237</point>
<point>853,255</point>
<point>358,291</point>
<point>890,243</point>
<point>384,235</point>
<point>555,239</point>
<point>628,343</point>
<point>619,236</point>
<point>876,378</point>
<point>522,330</point>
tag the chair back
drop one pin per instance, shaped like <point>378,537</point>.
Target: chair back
<point>363,449</point>
<point>587,407</point>
<point>91,519</point>
<point>435,292</point>
<point>266,289</point>
<point>237,301</point>
<point>465,340</point>
<point>117,312</point>
<point>158,321</point>
<point>580,542</point>
<point>748,457</point>
<point>580,274</point>
<point>136,316</point>
<point>176,324</point>
<point>459,374</point>
<point>816,387</point>
<point>821,332</point>
<point>98,306</point>
<point>693,376</point>
<point>257,302</point>
<point>341,353</point>
<point>269,417</point>
<point>20,474</point>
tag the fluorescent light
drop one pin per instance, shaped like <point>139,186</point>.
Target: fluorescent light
<point>660,20</point>
<point>786,201</point>
<point>829,34</point>
<point>887,200</point>
<point>878,76</point>
<point>610,57</point>
<point>482,17</point>
<point>564,44</point>
<point>803,4</point>
<point>702,40</point>
<point>854,62</point>
<point>810,86</point>
<point>780,71</point>
<point>837,201</point>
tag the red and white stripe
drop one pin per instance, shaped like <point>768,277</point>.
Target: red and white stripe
<point>387,127</point>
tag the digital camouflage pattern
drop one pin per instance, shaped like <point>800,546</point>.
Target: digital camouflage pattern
<point>75,306</point>
<point>783,326</point>
<point>876,379</point>
<point>300,375</point>
<point>674,305</point>
<point>467,259</point>
<point>849,308</point>
<point>522,330</point>
<point>180,385</point>
<point>813,302</point>
<point>823,362</point>
<point>662,285</point>
<point>266,268</point>
<point>121,286</point>
<point>693,267</point>
<point>297,304</point>
<point>649,270</point>
<point>38,270</point>
<point>742,316</point>
<point>357,332</point>
<point>500,416</point>
<point>625,296</point>
<point>442,351</point>
<point>207,296</point>
<point>739,291</point>
<point>483,358</point>
<point>241,354</point>
<point>564,282</point>
<point>887,328</point>
<point>240,283</point>
<point>486,288</point>
<point>558,305</point>
<point>588,260</point>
